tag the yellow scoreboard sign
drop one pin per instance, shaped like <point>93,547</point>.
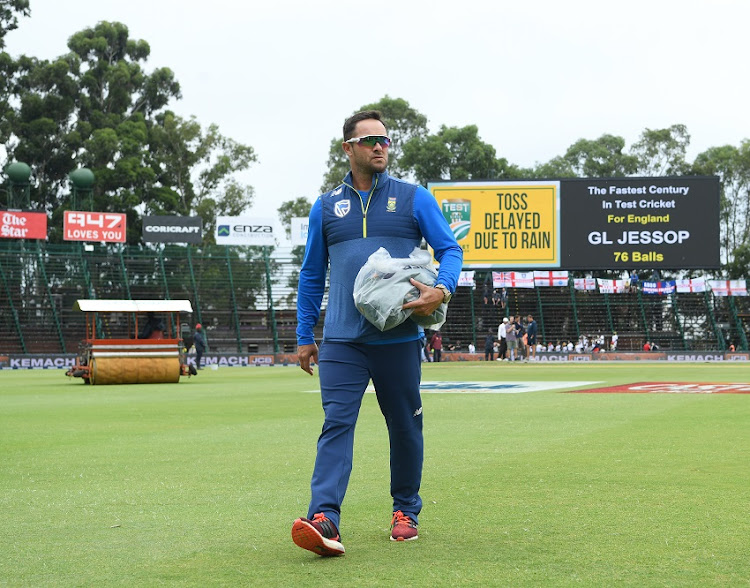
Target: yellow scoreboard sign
<point>503,224</point>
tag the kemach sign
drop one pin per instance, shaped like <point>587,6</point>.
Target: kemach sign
<point>102,227</point>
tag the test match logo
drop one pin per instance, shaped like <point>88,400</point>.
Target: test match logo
<point>458,215</point>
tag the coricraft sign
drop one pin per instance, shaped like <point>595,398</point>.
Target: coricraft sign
<point>245,230</point>
<point>103,227</point>
<point>172,229</point>
<point>23,225</point>
<point>618,223</point>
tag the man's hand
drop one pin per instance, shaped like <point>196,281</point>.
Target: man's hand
<point>429,299</point>
<point>305,353</point>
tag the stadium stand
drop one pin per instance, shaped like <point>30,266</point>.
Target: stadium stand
<point>246,302</point>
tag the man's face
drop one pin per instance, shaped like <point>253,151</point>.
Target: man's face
<point>364,159</point>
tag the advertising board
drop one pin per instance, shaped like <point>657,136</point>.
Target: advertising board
<point>172,229</point>
<point>102,227</point>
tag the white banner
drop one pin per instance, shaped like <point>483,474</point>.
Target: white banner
<point>466,279</point>
<point>688,286</point>
<point>584,284</point>
<point>728,287</point>
<point>556,278</point>
<point>611,286</point>
<point>245,230</point>
<point>300,226</point>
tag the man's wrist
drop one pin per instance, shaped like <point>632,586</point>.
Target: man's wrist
<point>446,293</point>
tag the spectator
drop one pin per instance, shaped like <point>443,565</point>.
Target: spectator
<point>501,338</point>
<point>531,333</point>
<point>615,338</point>
<point>646,346</point>
<point>633,281</point>
<point>486,294</point>
<point>472,348</point>
<point>436,344</point>
<point>511,338</point>
<point>489,347</point>
<point>503,298</point>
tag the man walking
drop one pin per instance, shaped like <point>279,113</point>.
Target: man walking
<point>489,346</point>
<point>367,211</point>
<point>502,338</point>
<point>199,340</point>
<point>531,333</point>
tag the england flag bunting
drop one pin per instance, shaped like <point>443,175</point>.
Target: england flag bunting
<point>522,279</point>
<point>584,284</point>
<point>659,287</point>
<point>611,286</point>
<point>690,286</point>
<point>499,281</point>
<point>466,279</point>
<point>513,279</point>
<point>551,278</point>
<point>728,287</point>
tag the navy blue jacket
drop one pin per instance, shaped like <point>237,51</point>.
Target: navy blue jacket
<point>345,228</point>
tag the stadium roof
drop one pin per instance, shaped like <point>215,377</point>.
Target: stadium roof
<point>133,306</point>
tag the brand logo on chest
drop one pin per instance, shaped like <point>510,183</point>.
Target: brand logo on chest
<point>391,206</point>
<point>342,208</point>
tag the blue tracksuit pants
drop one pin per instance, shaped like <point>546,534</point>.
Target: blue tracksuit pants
<point>345,371</point>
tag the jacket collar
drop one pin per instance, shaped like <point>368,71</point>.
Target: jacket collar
<point>381,178</point>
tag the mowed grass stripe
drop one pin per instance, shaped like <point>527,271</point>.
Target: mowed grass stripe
<point>197,483</point>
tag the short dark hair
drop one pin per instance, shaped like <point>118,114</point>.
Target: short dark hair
<point>352,121</point>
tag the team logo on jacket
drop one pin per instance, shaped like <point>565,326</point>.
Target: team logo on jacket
<point>391,206</point>
<point>342,208</point>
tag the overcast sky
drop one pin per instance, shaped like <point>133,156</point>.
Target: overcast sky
<point>534,76</point>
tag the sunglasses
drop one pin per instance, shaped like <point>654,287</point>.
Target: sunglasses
<point>371,140</point>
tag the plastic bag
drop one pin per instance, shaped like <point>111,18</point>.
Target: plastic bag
<point>382,287</point>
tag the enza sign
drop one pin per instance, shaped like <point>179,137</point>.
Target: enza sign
<point>23,225</point>
<point>245,230</point>
<point>626,223</point>
<point>103,227</point>
<point>172,229</point>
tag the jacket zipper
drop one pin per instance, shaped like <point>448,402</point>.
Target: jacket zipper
<point>364,207</point>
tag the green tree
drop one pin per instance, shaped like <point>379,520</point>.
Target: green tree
<point>403,123</point>
<point>10,10</point>
<point>196,171</point>
<point>97,107</point>
<point>557,167</point>
<point>454,154</point>
<point>41,129</point>
<point>732,165</point>
<point>600,158</point>
<point>661,152</point>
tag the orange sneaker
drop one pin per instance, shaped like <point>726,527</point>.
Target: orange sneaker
<point>403,528</point>
<point>318,535</point>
